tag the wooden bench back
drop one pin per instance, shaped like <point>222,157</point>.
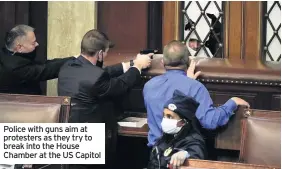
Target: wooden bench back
<point>229,137</point>
<point>16,108</point>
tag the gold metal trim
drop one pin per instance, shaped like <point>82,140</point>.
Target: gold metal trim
<point>66,101</point>
<point>247,113</point>
<point>177,18</point>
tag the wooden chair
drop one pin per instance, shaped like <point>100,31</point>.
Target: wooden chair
<point>229,137</point>
<point>261,138</point>
<point>16,108</point>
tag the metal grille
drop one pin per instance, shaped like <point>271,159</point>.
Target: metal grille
<point>203,28</point>
<point>272,23</point>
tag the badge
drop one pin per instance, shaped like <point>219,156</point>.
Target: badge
<point>167,151</point>
<point>172,107</point>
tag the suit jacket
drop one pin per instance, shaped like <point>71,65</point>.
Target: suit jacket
<point>92,88</point>
<point>21,74</point>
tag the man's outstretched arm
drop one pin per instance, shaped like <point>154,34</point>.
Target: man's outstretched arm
<point>212,117</point>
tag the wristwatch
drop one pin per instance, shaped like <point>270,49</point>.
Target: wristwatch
<point>131,63</point>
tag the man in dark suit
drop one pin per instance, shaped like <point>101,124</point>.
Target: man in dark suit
<point>93,88</point>
<point>19,72</point>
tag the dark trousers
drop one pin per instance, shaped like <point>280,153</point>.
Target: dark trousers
<point>110,156</point>
<point>132,153</point>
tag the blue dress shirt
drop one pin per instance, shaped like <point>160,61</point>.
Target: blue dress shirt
<point>160,89</point>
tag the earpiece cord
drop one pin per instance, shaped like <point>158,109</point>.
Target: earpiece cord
<point>158,156</point>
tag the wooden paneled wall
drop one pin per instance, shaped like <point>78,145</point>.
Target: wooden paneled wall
<point>125,23</point>
<point>132,26</point>
<point>240,73</point>
<point>12,13</point>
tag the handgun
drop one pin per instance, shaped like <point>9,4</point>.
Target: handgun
<point>147,51</point>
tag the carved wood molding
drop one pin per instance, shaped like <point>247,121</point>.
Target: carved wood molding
<point>238,81</point>
<point>233,30</point>
<point>230,78</point>
<point>220,80</point>
<point>226,72</point>
<point>252,42</point>
<point>171,21</point>
<point>217,70</point>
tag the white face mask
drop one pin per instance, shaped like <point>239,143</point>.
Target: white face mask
<point>169,126</point>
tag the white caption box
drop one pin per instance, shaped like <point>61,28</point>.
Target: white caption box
<point>52,143</point>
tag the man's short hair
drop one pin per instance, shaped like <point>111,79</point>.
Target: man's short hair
<point>94,41</point>
<point>18,32</point>
<point>176,54</point>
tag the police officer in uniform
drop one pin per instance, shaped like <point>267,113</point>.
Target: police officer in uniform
<point>181,137</point>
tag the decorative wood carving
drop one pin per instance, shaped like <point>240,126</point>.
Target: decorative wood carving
<point>233,30</point>
<point>171,21</point>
